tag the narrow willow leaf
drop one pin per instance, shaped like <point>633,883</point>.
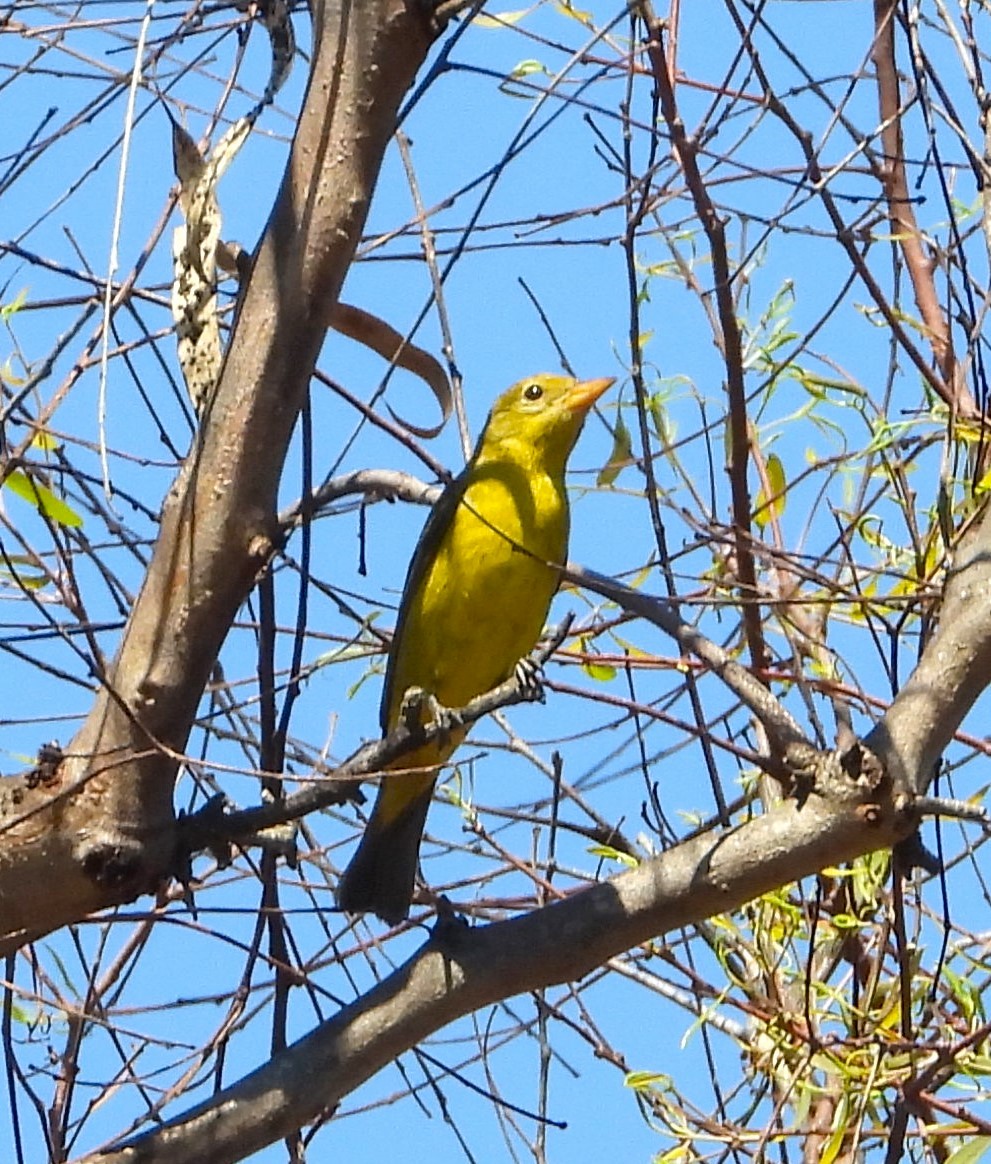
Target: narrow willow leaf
<point>44,500</point>
<point>499,19</point>
<point>659,418</point>
<point>45,441</point>
<point>768,508</point>
<point>608,853</point>
<point>639,1080</point>
<point>26,573</point>
<point>601,672</point>
<point>15,305</point>
<point>568,9</point>
<point>621,455</point>
<point>527,68</point>
<point>9,377</point>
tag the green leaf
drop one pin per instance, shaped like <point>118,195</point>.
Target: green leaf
<point>15,305</point>
<point>658,416</point>
<point>608,853</point>
<point>847,921</point>
<point>837,1140</point>
<point>641,1080</point>
<point>63,972</point>
<point>30,578</point>
<point>601,672</point>
<point>45,441</point>
<point>566,8</point>
<point>22,1016</point>
<point>528,68</point>
<point>9,376</point>
<point>621,455</point>
<point>771,507</point>
<point>44,500</point>
<point>675,1155</point>
<point>974,1150</point>
<point>523,69</point>
<point>499,19</point>
<point>966,995</point>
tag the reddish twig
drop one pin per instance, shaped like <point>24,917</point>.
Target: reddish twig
<point>686,149</point>
<point>901,214</point>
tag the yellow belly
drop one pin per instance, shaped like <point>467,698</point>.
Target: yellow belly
<point>483,599</point>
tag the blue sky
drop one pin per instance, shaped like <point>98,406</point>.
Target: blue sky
<point>460,131</point>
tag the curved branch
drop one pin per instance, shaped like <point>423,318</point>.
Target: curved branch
<point>206,828</point>
<point>686,148</point>
<point>781,726</point>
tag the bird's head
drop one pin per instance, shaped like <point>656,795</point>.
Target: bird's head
<point>544,413</point>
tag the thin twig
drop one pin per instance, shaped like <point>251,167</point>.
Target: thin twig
<point>209,827</point>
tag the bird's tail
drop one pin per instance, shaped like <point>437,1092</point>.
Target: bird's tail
<point>380,876</point>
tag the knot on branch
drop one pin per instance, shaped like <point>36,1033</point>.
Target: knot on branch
<point>859,764</point>
<point>116,867</point>
<point>47,766</point>
<point>837,772</point>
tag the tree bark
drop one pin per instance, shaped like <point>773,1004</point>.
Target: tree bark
<point>98,830</point>
<point>460,970</point>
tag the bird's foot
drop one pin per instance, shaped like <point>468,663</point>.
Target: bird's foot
<point>450,925</point>
<point>420,707</point>
<point>530,679</point>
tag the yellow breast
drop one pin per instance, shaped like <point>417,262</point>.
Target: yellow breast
<point>483,599</point>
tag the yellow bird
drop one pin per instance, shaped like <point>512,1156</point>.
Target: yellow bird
<point>476,596</point>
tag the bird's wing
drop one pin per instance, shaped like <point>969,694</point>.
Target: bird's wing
<point>433,533</point>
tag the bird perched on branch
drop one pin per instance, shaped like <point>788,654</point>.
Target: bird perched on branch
<point>476,596</point>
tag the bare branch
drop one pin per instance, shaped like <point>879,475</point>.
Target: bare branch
<point>664,614</point>
<point>205,829</point>
<point>904,227</point>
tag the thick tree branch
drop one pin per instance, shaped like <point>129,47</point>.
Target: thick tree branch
<point>460,970</point>
<point>855,806</point>
<point>954,670</point>
<point>101,831</point>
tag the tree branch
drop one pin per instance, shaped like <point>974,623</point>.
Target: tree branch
<point>686,148</point>
<point>102,831</point>
<point>952,673</point>
<point>461,970</point>
<point>901,214</point>
<point>783,729</point>
<point>206,828</point>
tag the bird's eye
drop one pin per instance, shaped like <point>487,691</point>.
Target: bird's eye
<point>533,392</point>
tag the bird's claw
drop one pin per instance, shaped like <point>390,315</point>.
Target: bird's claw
<point>530,680</point>
<point>416,701</point>
<point>409,710</point>
<point>450,926</point>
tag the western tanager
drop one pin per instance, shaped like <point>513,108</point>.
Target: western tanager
<point>476,596</point>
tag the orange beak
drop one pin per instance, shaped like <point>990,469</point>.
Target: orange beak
<point>584,394</point>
